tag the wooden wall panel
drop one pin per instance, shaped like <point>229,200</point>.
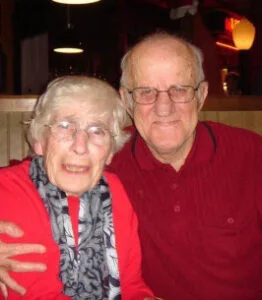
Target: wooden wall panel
<point>12,137</point>
<point>16,139</point>
<point>26,117</point>
<point>245,119</point>
<point>4,145</point>
<point>14,110</point>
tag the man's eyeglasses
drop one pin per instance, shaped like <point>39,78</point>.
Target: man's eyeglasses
<point>66,131</point>
<point>178,94</point>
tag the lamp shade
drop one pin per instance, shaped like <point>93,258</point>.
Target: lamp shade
<point>76,1</point>
<point>68,43</point>
<point>244,34</point>
<point>68,50</point>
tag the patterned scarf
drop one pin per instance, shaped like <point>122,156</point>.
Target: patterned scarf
<point>91,271</point>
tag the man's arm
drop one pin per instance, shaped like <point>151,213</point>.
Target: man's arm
<point>7,251</point>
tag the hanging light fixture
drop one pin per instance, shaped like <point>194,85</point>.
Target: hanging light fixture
<point>76,1</point>
<point>244,34</point>
<point>68,43</point>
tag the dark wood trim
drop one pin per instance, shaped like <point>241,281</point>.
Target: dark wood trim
<point>233,103</point>
<point>12,103</point>
<point>213,103</point>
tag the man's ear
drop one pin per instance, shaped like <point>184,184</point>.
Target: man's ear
<point>124,97</point>
<point>38,148</point>
<point>203,95</point>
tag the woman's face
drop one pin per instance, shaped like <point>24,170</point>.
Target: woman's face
<point>75,161</point>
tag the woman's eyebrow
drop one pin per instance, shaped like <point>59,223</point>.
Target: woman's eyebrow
<point>75,120</point>
<point>69,118</point>
<point>97,124</point>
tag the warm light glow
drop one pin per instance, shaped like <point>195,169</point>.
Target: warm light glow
<point>230,24</point>
<point>224,73</point>
<point>224,87</point>
<point>244,34</point>
<point>69,50</point>
<point>224,45</point>
<point>76,1</point>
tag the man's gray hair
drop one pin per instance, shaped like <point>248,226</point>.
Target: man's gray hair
<point>127,63</point>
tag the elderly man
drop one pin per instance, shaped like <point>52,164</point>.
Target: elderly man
<point>195,186</point>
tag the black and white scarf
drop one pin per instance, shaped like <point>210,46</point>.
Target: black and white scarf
<point>91,271</point>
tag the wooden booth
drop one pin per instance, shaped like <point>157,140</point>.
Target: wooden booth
<point>240,111</point>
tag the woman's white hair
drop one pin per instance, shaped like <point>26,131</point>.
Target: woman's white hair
<point>66,90</point>
<point>128,61</point>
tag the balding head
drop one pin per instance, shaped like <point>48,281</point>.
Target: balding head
<point>161,46</point>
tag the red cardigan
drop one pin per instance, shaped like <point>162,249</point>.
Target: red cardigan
<point>21,204</point>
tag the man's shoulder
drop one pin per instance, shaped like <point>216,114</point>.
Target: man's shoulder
<point>224,131</point>
<point>236,143</point>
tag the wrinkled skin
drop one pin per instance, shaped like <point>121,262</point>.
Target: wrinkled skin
<point>7,251</point>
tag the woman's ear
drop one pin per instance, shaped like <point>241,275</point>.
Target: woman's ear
<point>124,97</point>
<point>109,158</point>
<point>38,148</point>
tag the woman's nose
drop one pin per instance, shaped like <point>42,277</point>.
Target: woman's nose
<point>80,142</point>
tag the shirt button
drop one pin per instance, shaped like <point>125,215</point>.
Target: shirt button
<point>174,186</point>
<point>140,193</point>
<point>230,221</point>
<point>157,234</point>
<point>177,208</point>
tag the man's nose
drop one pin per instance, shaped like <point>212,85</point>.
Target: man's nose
<point>163,105</point>
<point>80,142</point>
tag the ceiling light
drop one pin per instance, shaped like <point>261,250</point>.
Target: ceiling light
<point>68,42</point>
<point>68,50</point>
<point>244,34</point>
<point>76,1</point>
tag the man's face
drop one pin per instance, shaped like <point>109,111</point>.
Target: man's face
<point>167,127</point>
<point>74,166</point>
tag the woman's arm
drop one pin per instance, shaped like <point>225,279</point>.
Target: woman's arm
<point>21,204</point>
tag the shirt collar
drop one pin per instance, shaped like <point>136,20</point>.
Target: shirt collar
<point>202,151</point>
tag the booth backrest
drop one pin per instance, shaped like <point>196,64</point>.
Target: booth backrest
<point>245,119</point>
<point>243,112</point>
<point>13,112</point>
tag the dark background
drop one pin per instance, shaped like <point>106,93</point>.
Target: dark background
<point>108,28</point>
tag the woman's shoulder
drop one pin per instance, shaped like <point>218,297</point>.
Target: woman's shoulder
<point>16,175</point>
<point>116,187</point>
<point>123,211</point>
<point>112,178</point>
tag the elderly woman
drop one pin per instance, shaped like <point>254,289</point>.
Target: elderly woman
<point>63,199</point>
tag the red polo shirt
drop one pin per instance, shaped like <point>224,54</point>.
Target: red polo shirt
<point>200,228</point>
